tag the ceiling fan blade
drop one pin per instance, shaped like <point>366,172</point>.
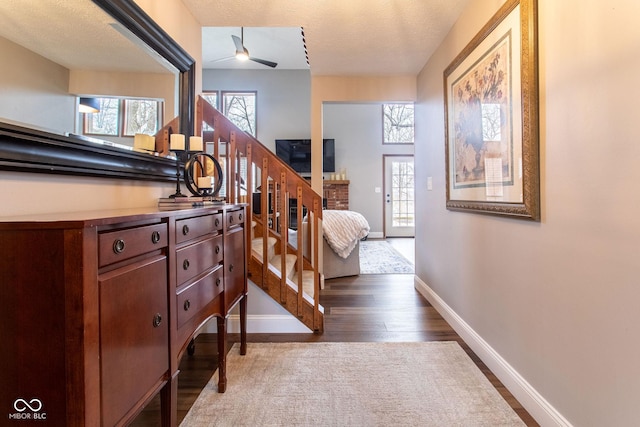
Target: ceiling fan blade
<point>264,62</point>
<point>226,58</point>
<point>238,43</point>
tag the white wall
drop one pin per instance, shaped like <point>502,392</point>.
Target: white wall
<point>284,99</point>
<point>357,129</point>
<point>558,300</point>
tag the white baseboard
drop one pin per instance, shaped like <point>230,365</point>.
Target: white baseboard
<point>375,235</point>
<point>257,324</point>
<point>529,398</point>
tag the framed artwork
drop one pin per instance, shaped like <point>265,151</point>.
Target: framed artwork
<point>491,117</point>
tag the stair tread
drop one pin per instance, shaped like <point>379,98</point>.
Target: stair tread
<point>256,245</point>
<point>290,262</point>
<point>307,281</point>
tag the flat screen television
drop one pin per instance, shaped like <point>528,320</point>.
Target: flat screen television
<point>297,154</point>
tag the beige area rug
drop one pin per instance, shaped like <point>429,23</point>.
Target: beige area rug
<point>351,384</point>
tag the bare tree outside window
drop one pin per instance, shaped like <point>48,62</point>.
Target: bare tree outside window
<point>398,121</point>
<point>240,108</point>
<point>140,116</point>
<point>403,194</point>
<point>211,98</point>
<point>104,122</point>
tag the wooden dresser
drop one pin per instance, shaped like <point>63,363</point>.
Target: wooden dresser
<point>97,308</point>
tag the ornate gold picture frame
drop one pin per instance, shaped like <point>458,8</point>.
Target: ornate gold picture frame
<point>491,117</point>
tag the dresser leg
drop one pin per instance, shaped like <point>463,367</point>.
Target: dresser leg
<point>222,354</point>
<point>243,325</point>
<point>169,402</point>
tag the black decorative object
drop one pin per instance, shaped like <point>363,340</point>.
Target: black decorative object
<point>202,160</point>
<point>180,154</point>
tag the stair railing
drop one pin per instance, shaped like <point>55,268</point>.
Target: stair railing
<point>251,168</point>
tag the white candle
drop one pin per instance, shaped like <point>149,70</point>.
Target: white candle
<point>205,182</point>
<point>195,143</point>
<point>177,142</point>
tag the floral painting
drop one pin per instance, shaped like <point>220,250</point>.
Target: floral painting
<point>481,118</point>
<point>491,117</point>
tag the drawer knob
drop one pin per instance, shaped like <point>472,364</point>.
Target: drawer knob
<point>118,246</point>
<point>185,229</point>
<point>185,264</point>
<point>217,249</point>
<point>217,222</point>
<point>187,305</point>
<point>218,281</point>
<point>157,319</point>
<point>239,217</point>
<point>231,267</point>
<point>230,219</point>
<point>155,237</point>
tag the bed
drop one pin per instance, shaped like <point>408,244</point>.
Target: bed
<point>342,232</point>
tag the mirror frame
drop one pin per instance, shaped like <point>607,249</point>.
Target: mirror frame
<point>29,150</point>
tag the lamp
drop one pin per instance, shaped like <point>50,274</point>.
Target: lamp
<point>89,105</point>
<point>242,55</point>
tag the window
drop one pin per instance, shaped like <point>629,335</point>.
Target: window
<point>402,183</point>
<point>140,116</point>
<point>240,108</point>
<point>397,123</point>
<point>124,117</point>
<point>211,98</point>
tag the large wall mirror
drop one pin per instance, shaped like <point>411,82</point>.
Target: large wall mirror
<point>55,52</point>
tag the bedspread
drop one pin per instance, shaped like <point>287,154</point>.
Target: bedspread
<point>342,230</point>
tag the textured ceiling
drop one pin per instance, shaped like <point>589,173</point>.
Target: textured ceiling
<point>76,34</point>
<point>343,37</point>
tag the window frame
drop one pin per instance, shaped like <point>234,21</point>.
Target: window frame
<point>384,120</point>
<point>121,124</point>
<point>254,93</point>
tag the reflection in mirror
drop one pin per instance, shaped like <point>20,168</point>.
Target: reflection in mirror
<point>61,51</point>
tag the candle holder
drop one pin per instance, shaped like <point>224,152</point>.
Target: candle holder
<point>180,156</point>
<point>201,160</point>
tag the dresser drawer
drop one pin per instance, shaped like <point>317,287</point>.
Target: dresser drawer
<point>195,259</point>
<point>192,228</point>
<point>235,218</point>
<point>192,299</point>
<point>119,245</point>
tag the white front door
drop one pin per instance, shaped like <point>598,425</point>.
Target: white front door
<point>399,194</point>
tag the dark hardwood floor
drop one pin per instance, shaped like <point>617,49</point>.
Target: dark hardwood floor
<point>361,308</point>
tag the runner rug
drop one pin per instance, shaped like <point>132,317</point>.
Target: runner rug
<point>379,257</point>
<point>351,384</point>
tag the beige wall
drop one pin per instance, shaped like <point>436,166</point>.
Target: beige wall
<point>26,193</point>
<point>143,85</point>
<point>558,300</point>
<point>350,89</point>
<point>34,90</point>
<point>181,25</point>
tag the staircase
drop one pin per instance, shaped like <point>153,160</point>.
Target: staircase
<point>283,262</point>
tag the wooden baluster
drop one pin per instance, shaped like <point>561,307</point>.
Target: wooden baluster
<point>300,245</point>
<point>317,239</point>
<point>264,215</point>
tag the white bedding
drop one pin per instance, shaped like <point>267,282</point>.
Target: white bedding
<point>343,229</point>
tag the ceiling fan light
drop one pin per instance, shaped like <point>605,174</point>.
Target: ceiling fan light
<point>242,55</point>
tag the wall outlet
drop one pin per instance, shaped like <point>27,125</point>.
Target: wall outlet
<point>378,190</point>
<point>429,183</point>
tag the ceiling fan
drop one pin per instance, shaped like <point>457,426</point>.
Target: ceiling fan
<point>243,54</point>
